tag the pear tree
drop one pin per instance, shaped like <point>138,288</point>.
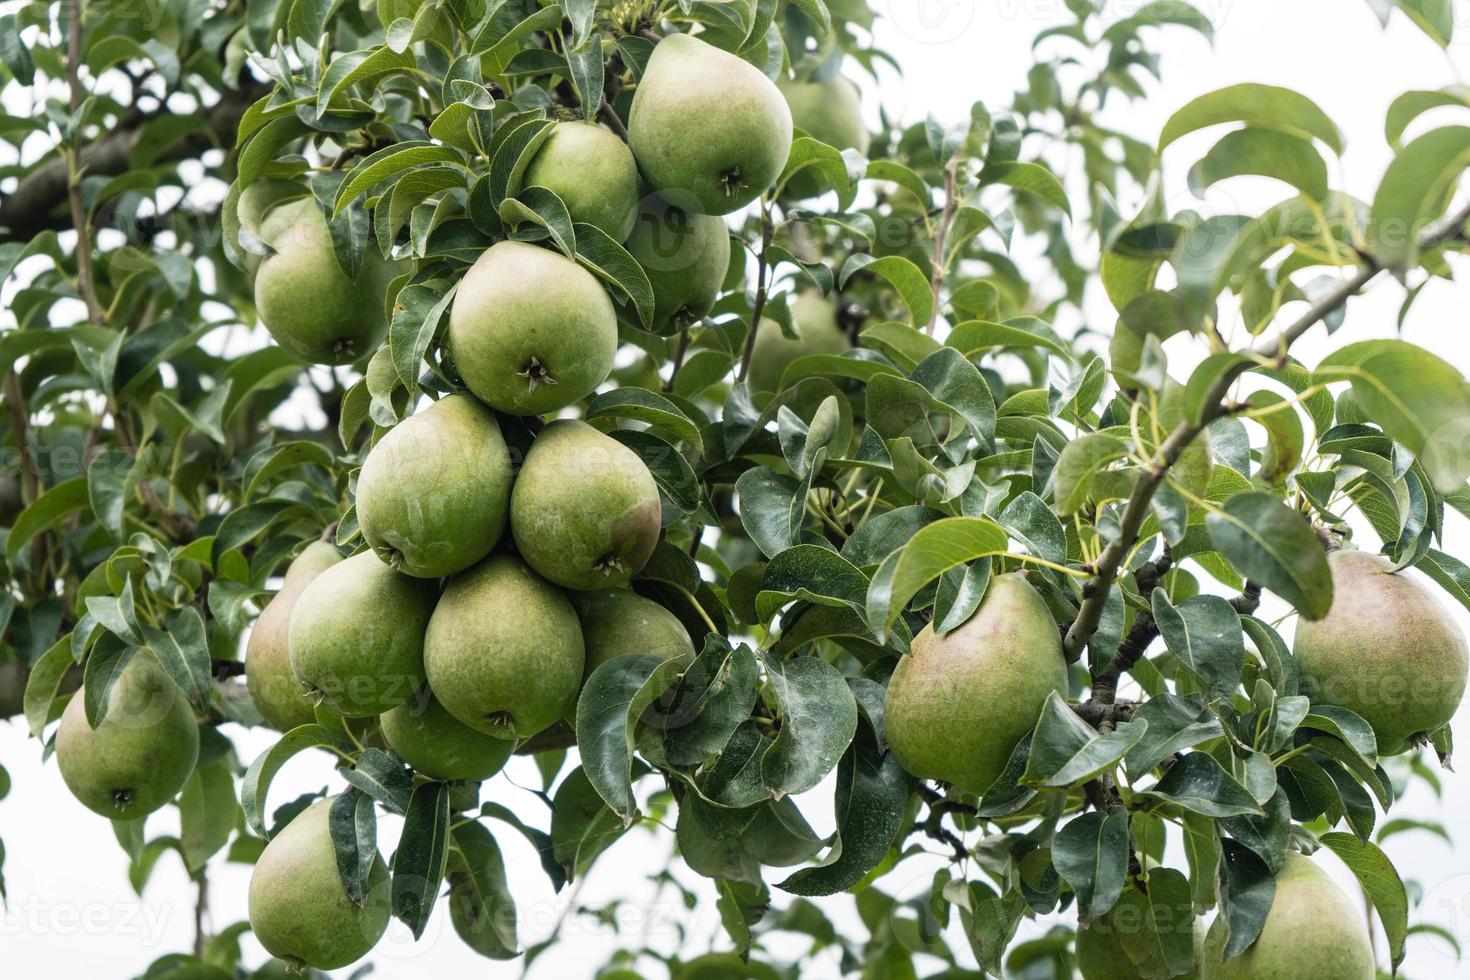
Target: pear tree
<point>600,424</point>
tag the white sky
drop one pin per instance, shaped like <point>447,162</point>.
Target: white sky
<point>71,912</point>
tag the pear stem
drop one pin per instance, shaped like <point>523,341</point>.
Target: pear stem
<point>759,308</point>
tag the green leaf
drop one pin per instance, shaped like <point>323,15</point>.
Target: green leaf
<point>359,66</point>
<point>423,853</point>
<point>542,207</point>
<point>479,892</point>
<point>615,266</point>
<point>381,777</point>
<point>1160,912</point>
<point>42,700</point>
<point>1033,178</point>
<point>1065,750</point>
<point>1262,106</point>
<point>257,780</point>
<point>1204,633</point>
<point>870,803</point>
<point>1198,783</point>
<point>1091,853</point>
<point>905,277</point>
<point>1266,153</point>
<point>655,410</point>
<point>819,717</point>
<point>1414,190</point>
<point>608,711</point>
<point>1080,463</point>
<point>269,463</point>
<point>418,312</point>
<point>182,648</point>
<point>377,167</point>
<point>1272,544</point>
<point>929,553</point>
<point>207,813</point>
<point>1412,104</point>
<point>45,513</point>
<point>1417,398</point>
<point>1379,878</point>
<point>353,825</point>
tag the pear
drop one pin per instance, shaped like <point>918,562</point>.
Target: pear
<point>437,745</point>
<point>1387,649</point>
<point>585,511</point>
<point>503,650</point>
<point>357,636</point>
<point>433,493</point>
<point>958,704</point>
<point>616,622</point>
<point>531,332</point>
<point>309,305</point>
<point>277,694</point>
<point>830,112</point>
<point>708,122</point>
<point>685,255</point>
<point>299,909</point>
<point>141,754</point>
<point>815,320</point>
<point>594,174</point>
<point>1313,930</point>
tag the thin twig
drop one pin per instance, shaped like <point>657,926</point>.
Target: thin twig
<point>762,269</point>
<point>946,218</point>
<point>680,349</point>
<point>1089,615</point>
<point>609,115</point>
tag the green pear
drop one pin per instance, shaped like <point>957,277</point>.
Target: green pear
<point>830,112</point>
<point>685,255</point>
<point>309,305</point>
<point>958,704</point>
<point>1101,955</point>
<point>594,174</point>
<point>815,320</point>
<point>616,622</point>
<point>299,909</point>
<point>1313,930</point>
<point>141,754</point>
<point>1387,649</point>
<point>436,744</point>
<point>584,511</point>
<point>274,689</point>
<point>357,636</point>
<point>708,122</point>
<point>531,331</point>
<point>503,650</point>
<point>433,493</point>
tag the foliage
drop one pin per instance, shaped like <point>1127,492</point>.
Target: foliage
<point>162,466</point>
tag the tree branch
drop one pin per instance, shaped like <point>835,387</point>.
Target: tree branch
<point>1106,567</point>
<point>609,115</point>
<point>35,204</point>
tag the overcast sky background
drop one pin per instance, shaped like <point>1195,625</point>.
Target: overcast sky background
<point>71,912</point>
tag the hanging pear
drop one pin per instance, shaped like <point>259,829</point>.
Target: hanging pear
<point>957,704</point>
<point>815,320</point>
<point>503,650</point>
<point>1387,649</point>
<point>281,699</point>
<point>140,755</point>
<point>308,303</point>
<point>299,909</point>
<point>593,173</point>
<point>1313,930</point>
<point>584,511</point>
<point>685,255</point>
<point>709,123</point>
<point>357,636</point>
<point>433,493</point>
<point>438,745</point>
<point>830,112</point>
<point>530,331</point>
